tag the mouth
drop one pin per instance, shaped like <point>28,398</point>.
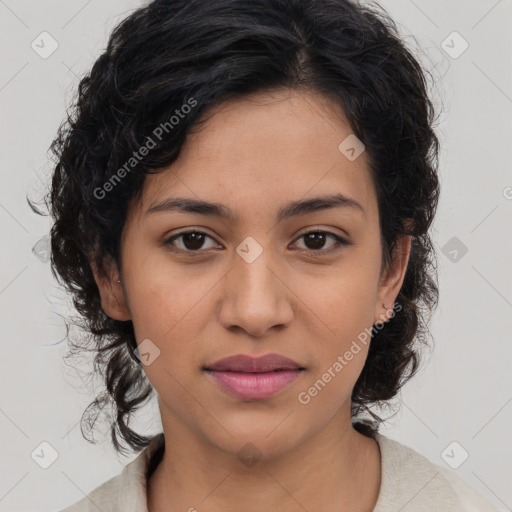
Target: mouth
<point>248,364</point>
<point>249,378</point>
<point>254,385</point>
<point>254,378</point>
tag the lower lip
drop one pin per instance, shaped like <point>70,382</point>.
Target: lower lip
<point>254,386</point>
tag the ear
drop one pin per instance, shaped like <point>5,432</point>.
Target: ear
<point>113,300</point>
<point>392,279</point>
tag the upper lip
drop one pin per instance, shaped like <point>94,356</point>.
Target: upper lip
<point>246,363</point>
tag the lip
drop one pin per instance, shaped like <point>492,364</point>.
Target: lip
<point>249,364</point>
<point>250,378</point>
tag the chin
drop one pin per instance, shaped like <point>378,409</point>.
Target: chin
<point>255,440</point>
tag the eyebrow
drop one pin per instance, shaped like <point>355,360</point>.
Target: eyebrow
<point>293,209</point>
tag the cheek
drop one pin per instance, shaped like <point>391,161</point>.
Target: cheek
<point>338,311</point>
<point>172,308</point>
<point>169,308</point>
<point>341,329</point>
<point>165,296</point>
<point>342,299</point>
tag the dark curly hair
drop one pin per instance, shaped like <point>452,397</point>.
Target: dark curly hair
<point>173,53</point>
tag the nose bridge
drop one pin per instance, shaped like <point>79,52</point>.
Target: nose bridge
<point>253,276</point>
<point>255,298</point>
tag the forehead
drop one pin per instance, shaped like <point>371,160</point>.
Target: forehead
<point>261,151</point>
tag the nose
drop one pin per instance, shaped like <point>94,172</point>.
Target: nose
<point>256,296</point>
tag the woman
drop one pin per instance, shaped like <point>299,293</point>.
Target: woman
<point>242,202</point>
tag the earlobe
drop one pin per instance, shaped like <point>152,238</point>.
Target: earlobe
<point>112,294</point>
<point>392,281</point>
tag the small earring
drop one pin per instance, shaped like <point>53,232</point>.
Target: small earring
<point>385,305</point>
<point>118,281</point>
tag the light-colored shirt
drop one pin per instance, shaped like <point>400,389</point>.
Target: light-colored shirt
<point>409,483</point>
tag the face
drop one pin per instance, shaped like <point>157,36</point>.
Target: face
<point>256,282</point>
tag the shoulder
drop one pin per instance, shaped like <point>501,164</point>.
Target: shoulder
<point>126,491</point>
<point>409,481</point>
<point>104,498</point>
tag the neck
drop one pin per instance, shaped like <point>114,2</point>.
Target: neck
<point>336,467</point>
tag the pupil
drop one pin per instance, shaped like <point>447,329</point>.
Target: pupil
<point>193,240</point>
<point>316,238</point>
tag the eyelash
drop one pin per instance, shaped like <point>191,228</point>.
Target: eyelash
<point>339,242</point>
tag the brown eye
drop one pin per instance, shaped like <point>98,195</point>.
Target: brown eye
<point>192,241</point>
<point>315,241</point>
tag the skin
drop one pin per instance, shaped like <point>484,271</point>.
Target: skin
<point>255,155</point>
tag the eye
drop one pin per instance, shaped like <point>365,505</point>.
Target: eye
<point>192,241</point>
<point>314,240</point>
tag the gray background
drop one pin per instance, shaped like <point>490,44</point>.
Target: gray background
<point>463,392</point>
